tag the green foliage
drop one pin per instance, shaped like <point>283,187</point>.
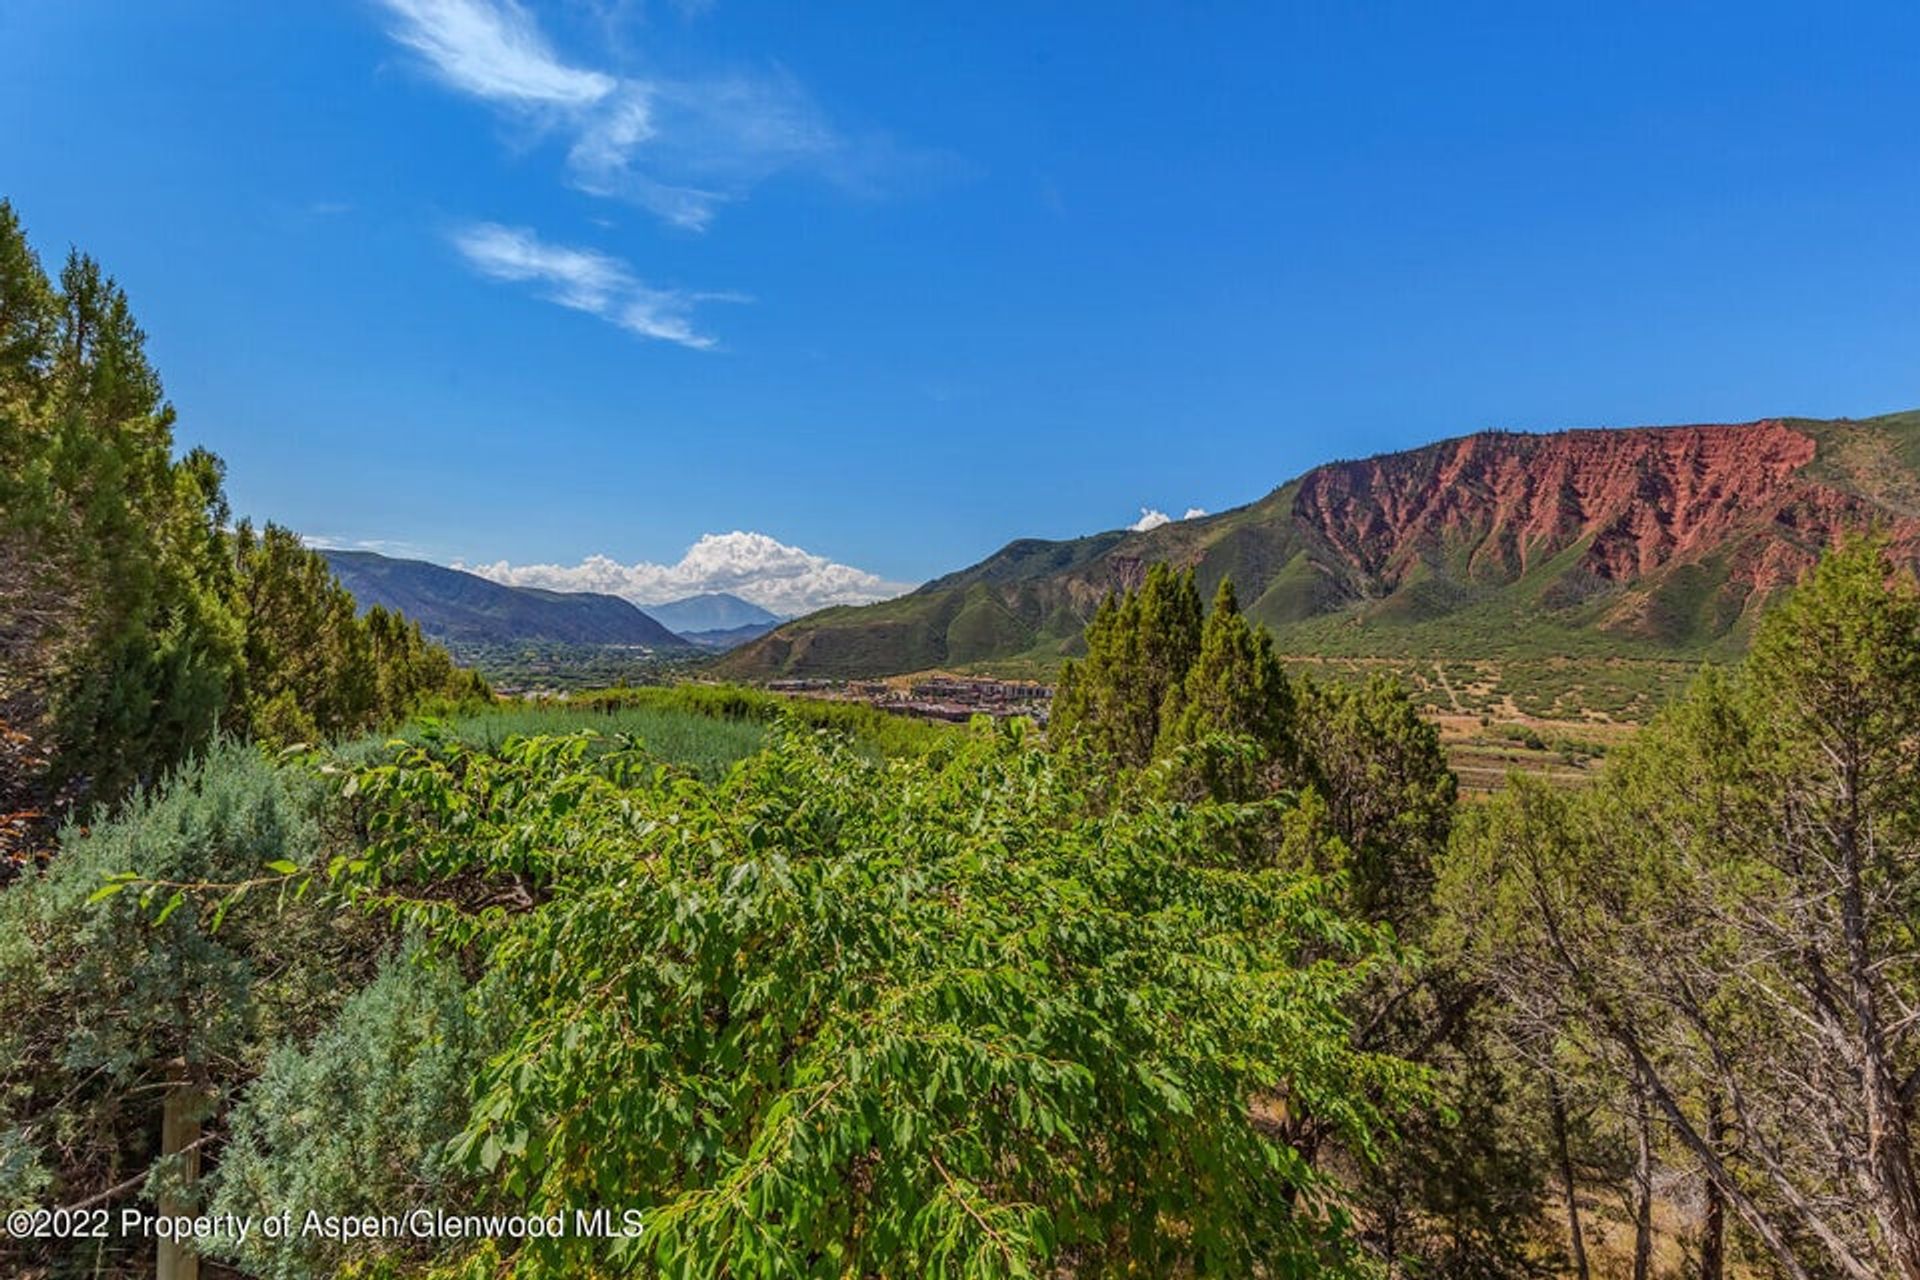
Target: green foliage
<point>924,1017</point>
<point>1212,703</point>
<point>1368,797</point>
<point>313,669</point>
<point>1389,792</point>
<point>1721,931</point>
<point>359,1121</point>
<point>123,653</point>
<point>1464,1193</point>
<point>114,993</point>
<point>1234,687</point>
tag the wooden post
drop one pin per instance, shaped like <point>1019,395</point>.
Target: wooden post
<point>180,1118</point>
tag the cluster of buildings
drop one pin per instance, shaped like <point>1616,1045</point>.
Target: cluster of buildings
<point>935,697</point>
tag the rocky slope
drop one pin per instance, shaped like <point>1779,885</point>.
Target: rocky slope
<point>1648,542</point>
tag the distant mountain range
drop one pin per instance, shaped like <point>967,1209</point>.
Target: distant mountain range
<point>715,615</point>
<point>460,608</point>
<point>469,612</point>
<point>1654,542</point>
<point>723,639</point>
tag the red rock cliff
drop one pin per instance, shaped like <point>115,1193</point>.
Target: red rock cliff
<point>1640,499</point>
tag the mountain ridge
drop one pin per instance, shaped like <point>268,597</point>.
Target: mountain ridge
<point>461,608</point>
<point>1644,541</point>
<point>709,611</point>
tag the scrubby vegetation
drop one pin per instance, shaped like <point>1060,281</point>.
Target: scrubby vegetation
<point>947,1016</point>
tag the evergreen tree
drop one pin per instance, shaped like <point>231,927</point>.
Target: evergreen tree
<point>142,677</point>
<point>36,610</point>
<point>132,623</point>
<point>1722,929</point>
<point>1140,646</point>
<point>1234,688</point>
<point>1390,795</point>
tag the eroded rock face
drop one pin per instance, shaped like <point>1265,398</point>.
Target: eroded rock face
<point>1633,503</point>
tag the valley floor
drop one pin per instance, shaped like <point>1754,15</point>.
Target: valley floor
<point>1555,718</point>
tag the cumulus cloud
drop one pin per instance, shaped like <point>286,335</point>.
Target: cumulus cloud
<point>585,280</point>
<point>1153,519</point>
<point>679,148</point>
<point>753,566</point>
<point>1150,519</point>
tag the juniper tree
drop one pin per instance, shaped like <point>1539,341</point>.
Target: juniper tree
<point>1389,792</point>
<point>1234,688</point>
<point>1140,645</point>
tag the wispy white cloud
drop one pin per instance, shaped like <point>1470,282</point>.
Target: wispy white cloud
<point>1151,518</point>
<point>384,546</point>
<point>753,566</point>
<point>585,280</point>
<point>679,148</point>
<point>682,149</point>
<point>492,49</point>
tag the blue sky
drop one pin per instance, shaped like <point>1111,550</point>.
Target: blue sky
<point>577,284</point>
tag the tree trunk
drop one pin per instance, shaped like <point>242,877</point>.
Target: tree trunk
<point>180,1118</point>
<point>1889,1156</point>
<point>1713,1228</point>
<point>1689,1137</point>
<point>1642,1188</point>
<point>1564,1157</point>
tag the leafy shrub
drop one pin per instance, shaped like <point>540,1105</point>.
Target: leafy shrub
<point>929,1017</point>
